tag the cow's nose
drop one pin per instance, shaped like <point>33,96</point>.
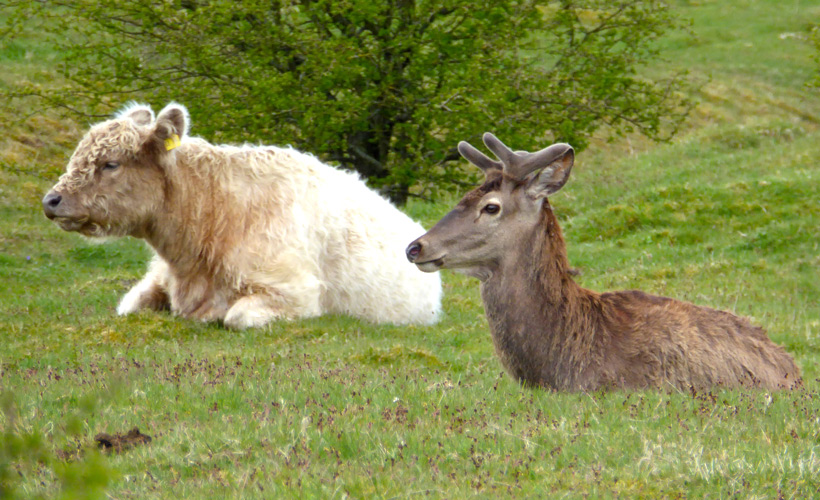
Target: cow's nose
<point>51,202</point>
<point>413,251</point>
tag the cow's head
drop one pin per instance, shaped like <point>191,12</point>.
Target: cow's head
<point>115,180</point>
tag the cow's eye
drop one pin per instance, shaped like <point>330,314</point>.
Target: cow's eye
<point>491,208</point>
<point>111,165</point>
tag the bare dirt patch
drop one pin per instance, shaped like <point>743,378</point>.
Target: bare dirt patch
<point>117,443</point>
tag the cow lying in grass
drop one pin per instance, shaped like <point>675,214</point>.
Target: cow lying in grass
<point>243,234</point>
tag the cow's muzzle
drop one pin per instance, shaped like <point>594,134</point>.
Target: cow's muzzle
<point>51,204</point>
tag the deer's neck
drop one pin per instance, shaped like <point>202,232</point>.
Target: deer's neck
<point>542,322</point>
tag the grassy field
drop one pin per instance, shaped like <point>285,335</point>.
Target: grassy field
<point>726,215</point>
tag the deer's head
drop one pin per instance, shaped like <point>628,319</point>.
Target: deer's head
<point>492,221</point>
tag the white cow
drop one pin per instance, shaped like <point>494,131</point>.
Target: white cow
<point>242,234</point>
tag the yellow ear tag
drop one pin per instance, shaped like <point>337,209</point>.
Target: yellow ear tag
<point>172,142</point>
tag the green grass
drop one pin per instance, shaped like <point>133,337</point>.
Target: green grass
<point>727,215</point>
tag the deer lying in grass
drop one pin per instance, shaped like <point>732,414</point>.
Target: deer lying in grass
<point>550,332</point>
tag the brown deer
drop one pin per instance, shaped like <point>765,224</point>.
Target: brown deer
<point>550,332</point>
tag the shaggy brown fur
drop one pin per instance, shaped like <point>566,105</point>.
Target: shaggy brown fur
<point>550,332</point>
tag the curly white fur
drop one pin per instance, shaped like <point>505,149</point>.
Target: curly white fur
<point>247,234</point>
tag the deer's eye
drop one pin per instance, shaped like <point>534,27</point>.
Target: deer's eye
<point>111,165</point>
<point>491,208</point>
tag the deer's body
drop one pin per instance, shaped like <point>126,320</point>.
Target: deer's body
<point>550,332</point>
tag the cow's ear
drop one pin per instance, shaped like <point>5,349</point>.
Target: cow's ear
<point>138,113</point>
<point>171,125</point>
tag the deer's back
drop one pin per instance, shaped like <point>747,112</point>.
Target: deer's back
<point>657,341</point>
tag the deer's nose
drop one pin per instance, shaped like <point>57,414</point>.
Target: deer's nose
<point>51,202</point>
<point>413,251</point>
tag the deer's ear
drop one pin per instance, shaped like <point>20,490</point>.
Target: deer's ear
<point>551,179</point>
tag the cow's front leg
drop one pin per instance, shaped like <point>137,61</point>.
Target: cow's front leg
<point>260,308</point>
<point>150,293</point>
<point>251,311</point>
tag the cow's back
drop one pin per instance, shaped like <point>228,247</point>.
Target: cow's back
<point>365,271</point>
<point>330,224</point>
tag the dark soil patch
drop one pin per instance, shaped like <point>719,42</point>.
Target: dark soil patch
<point>118,443</point>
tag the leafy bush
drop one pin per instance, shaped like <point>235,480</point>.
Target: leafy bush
<point>385,88</point>
<point>80,472</point>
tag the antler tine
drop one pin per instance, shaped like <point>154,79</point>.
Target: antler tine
<point>478,158</point>
<point>501,151</point>
<point>540,159</point>
<point>516,163</point>
<point>519,164</point>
